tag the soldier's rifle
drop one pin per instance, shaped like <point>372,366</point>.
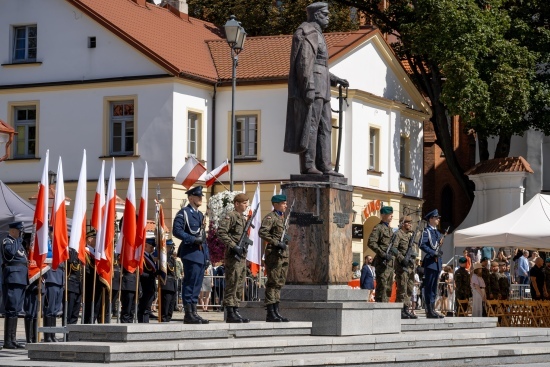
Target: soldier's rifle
<point>440,243</point>
<point>392,242</point>
<point>419,228</point>
<point>245,241</point>
<point>287,221</point>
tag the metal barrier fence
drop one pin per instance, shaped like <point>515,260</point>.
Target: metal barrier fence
<point>520,291</point>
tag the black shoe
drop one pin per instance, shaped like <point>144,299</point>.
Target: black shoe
<point>52,323</point>
<point>271,316</point>
<point>236,312</point>
<point>276,311</point>
<point>194,308</point>
<point>231,317</point>
<point>28,330</point>
<point>11,323</point>
<point>189,318</point>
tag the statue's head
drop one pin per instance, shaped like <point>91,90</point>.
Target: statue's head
<point>318,13</point>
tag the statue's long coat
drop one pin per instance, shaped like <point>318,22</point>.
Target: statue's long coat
<point>304,75</point>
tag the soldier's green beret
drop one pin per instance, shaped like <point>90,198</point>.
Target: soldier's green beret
<point>386,210</point>
<point>548,259</point>
<point>462,260</point>
<point>355,263</point>
<point>278,198</point>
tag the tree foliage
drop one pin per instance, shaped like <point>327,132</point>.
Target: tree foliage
<point>268,17</point>
<point>479,59</point>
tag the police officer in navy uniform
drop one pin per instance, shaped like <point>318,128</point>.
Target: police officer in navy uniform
<point>128,295</point>
<point>74,287</point>
<point>30,305</point>
<point>15,279</point>
<point>147,281</point>
<point>89,285</point>
<point>115,285</point>
<point>432,262</point>
<point>54,281</point>
<point>193,252</point>
<point>170,288</point>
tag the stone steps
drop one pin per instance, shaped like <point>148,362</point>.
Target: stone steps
<point>295,349</point>
<point>449,323</point>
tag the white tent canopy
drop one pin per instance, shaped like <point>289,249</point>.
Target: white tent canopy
<point>526,227</point>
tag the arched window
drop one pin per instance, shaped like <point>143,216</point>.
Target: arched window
<point>447,208</point>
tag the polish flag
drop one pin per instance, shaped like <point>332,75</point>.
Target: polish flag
<point>191,171</point>
<point>142,221</point>
<point>60,242</point>
<point>78,229</point>
<point>254,254</point>
<point>211,177</point>
<point>127,238</point>
<point>99,200</point>
<point>39,249</point>
<point>106,234</point>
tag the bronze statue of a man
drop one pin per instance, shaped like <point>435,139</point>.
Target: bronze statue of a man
<point>308,116</point>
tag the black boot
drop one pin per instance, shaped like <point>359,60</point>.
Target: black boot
<point>429,312</point>
<point>271,315</point>
<point>189,318</point>
<point>439,316</point>
<point>405,313</point>
<point>52,322</point>
<point>231,317</point>
<point>47,336</point>
<point>276,311</point>
<point>194,308</point>
<point>236,312</point>
<point>28,330</point>
<point>8,344</point>
<point>12,325</point>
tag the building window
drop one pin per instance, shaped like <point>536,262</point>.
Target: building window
<point>25,125</point>
<point>374,139</point>
<point>404,156</point>
<point>246,137</point>
<point>193,133</point>
<point>121,121</point>
<point>24,44</point>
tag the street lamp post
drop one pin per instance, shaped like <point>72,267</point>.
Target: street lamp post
<point>235,36</point>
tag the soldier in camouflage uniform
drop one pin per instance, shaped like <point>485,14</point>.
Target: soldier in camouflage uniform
<point>276,256</point>
<point>379,241</point>
<point>493,288</point>
<point>229,232</point>
<point>404,271</point>
<point>504,282</point>
<point>462,282</point>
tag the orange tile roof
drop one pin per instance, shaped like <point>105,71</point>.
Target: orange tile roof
<point>508,164</point>
<point>268,57</point>
<point>176,42</point>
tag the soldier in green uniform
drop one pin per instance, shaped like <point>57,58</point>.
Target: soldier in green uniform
<point>462,282</point>
<point>493,288</point>
<point>379,241</point>
<point>276,256</point>
<point>404,270</point>
<point>504,282</point>
<point>229,232</point>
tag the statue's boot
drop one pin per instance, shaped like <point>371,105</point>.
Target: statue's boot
<point>307,164</point>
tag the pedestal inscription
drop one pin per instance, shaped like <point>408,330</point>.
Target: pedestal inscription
<point>320,249</point>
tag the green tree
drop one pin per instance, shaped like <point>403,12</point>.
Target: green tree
<point>268,17</point>
<point>469,59</point>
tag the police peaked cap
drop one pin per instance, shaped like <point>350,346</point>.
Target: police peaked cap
<point>91,233</point>
<point>151,241</point>
<point>16,225</point>
<point>433,213</point>
<point>195,191</point>
<point>386,210</point>
<point>278,198</point>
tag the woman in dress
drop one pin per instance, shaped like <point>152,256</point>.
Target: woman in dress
<point>206,289</point>
<point>478,290</point>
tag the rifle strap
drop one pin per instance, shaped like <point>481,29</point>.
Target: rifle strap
<point>430,239</point>
<point>188,226</point>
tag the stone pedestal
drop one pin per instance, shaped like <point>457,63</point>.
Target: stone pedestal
<point>320,228</point>
<point>320,265</point>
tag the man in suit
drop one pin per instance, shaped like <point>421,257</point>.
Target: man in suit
<point>189,227</point>
<point>309,118</point>
<point>367,276</point>
<point>432,263</point>
<point>15,280</point>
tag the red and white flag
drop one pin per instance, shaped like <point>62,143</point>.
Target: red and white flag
<point>99,200</point>
<point>191,171</point>
<point>211,177</point>
<point>78,229</point>
<point>40,222</point>
<point>142,221</point>
<point>106,235</point>
<point>254,254</point>
<point>60,242</point>
<point>127,238</point>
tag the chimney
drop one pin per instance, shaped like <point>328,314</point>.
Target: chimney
<point>181,5</point>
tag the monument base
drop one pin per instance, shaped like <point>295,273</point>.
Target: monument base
<point>319,178</point>
<point>335,318</point>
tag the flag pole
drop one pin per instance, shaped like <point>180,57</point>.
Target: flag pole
<point>39,304</point>
<point>159,261</point>
<point>66,300</point>
<point>102,305</point>
<point>136,272</point>
<point>83,298</point>
<point>119,310</point>
<point>92,307</point>
<point>221,183</point>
